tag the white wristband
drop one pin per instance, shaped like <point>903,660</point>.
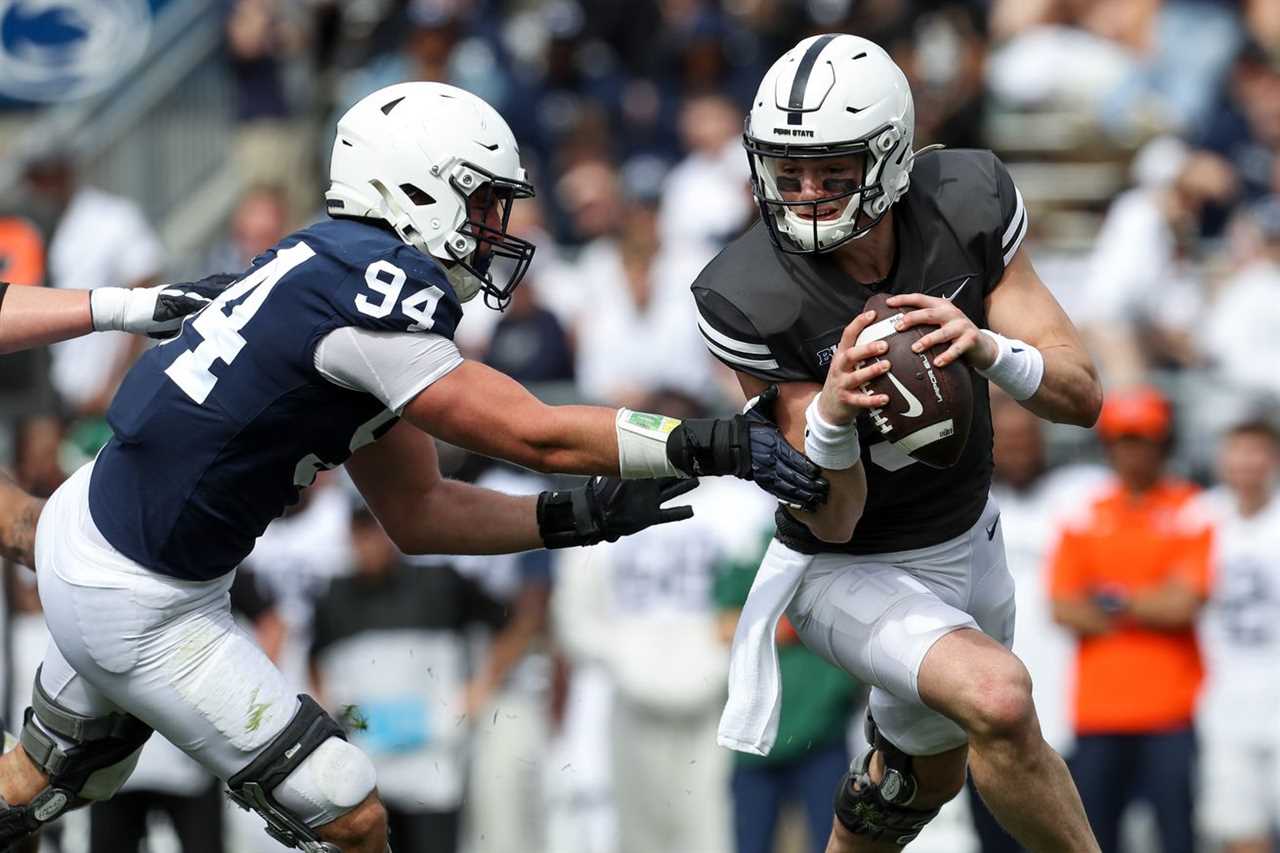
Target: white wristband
<point>642,445</point>
<point>107,307</point>
<point>829,446</point>
<point>1018,367</point>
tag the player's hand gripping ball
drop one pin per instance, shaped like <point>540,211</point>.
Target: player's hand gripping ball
<point>930,407</point>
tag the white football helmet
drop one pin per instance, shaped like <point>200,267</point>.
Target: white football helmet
<point>832,95</point>
<point>412,155</point>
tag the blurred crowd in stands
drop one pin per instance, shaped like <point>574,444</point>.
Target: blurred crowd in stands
<point>568,703</point>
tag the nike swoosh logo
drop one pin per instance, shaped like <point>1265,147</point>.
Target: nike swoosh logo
<point>991,531</point>
<point>958,289</point>
<point>914,409</point>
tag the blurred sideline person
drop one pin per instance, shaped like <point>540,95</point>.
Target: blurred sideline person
<point>1129,575</point>
<point>900,579</point>
<point>507,698</point>
<point>1033,499</point>
<point>1238,333</point>
<point>218,431</point>
<point>1143,300</point>
<point>96,239</point>
<point>260,220</point>
<point>638,283</point>
<point>644,609</point>
<point>1238,718</point>
<point>389,647</point>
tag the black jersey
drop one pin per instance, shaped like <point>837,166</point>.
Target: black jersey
<point>778,317</point>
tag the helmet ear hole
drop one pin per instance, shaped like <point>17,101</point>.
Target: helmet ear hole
<point>417,196</point>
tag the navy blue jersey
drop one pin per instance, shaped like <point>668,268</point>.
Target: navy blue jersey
<point>218,430</point>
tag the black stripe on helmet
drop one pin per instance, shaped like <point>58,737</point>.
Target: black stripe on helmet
<point>796,101</point>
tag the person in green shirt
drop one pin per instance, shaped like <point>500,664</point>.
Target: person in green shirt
<point>811,749</point>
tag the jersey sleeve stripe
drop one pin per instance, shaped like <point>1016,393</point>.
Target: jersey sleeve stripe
<point>1012,248</point>
<point>727,342</point>
<point>733,359</point>
<point>1015,221</point>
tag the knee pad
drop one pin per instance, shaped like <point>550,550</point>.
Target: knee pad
<point>101,754</point>
<point>328,783</point>
<point>307,774</point>
<point>881,810</point>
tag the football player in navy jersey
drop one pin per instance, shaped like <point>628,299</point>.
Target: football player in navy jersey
<point>336,347</point>
<point>900,579</point>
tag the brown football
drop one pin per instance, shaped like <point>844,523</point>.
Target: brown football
<point>929,408</point>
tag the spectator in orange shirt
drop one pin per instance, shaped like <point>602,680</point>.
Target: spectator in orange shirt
<point>1129,575</point>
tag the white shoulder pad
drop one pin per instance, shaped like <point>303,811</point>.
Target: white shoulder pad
<point>392,366</point>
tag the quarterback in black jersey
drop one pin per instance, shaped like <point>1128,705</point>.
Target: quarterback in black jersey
<point>900,579</point>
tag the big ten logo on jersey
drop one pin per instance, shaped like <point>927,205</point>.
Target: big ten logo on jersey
<point>655,574</point>
<point>823,347</point>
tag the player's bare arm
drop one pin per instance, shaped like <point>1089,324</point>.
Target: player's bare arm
<point>19,513</point>
<point>840,400</point>
<point>426,513</point>
<point>423,512</point>
<point>487,412</point>
<point>38,316</point>
<point>1021,308</point>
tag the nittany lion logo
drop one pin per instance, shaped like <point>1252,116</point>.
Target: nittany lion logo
<point>60,50</point>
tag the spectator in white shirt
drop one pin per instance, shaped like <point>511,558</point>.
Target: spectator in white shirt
<point>1238,717</point>
<point>1143,297</point>
<point>637,335</point>
<point>99,239</point>
<point>1239,337</point>
<point>714,176</point>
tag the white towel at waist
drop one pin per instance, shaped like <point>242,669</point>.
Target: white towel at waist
<point>750,719</point>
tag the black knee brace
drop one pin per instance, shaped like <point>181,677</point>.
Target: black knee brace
<point>100,758</point>
<point>879,809</point>
<point>252,787</point>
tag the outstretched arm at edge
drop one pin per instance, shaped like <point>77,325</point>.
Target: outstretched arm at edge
<point>36,316</point>
<point>19,513</point>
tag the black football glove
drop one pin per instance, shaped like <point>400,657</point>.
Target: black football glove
<point>176,301</point>
<point>606,508</point>
<point>749,446</point>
